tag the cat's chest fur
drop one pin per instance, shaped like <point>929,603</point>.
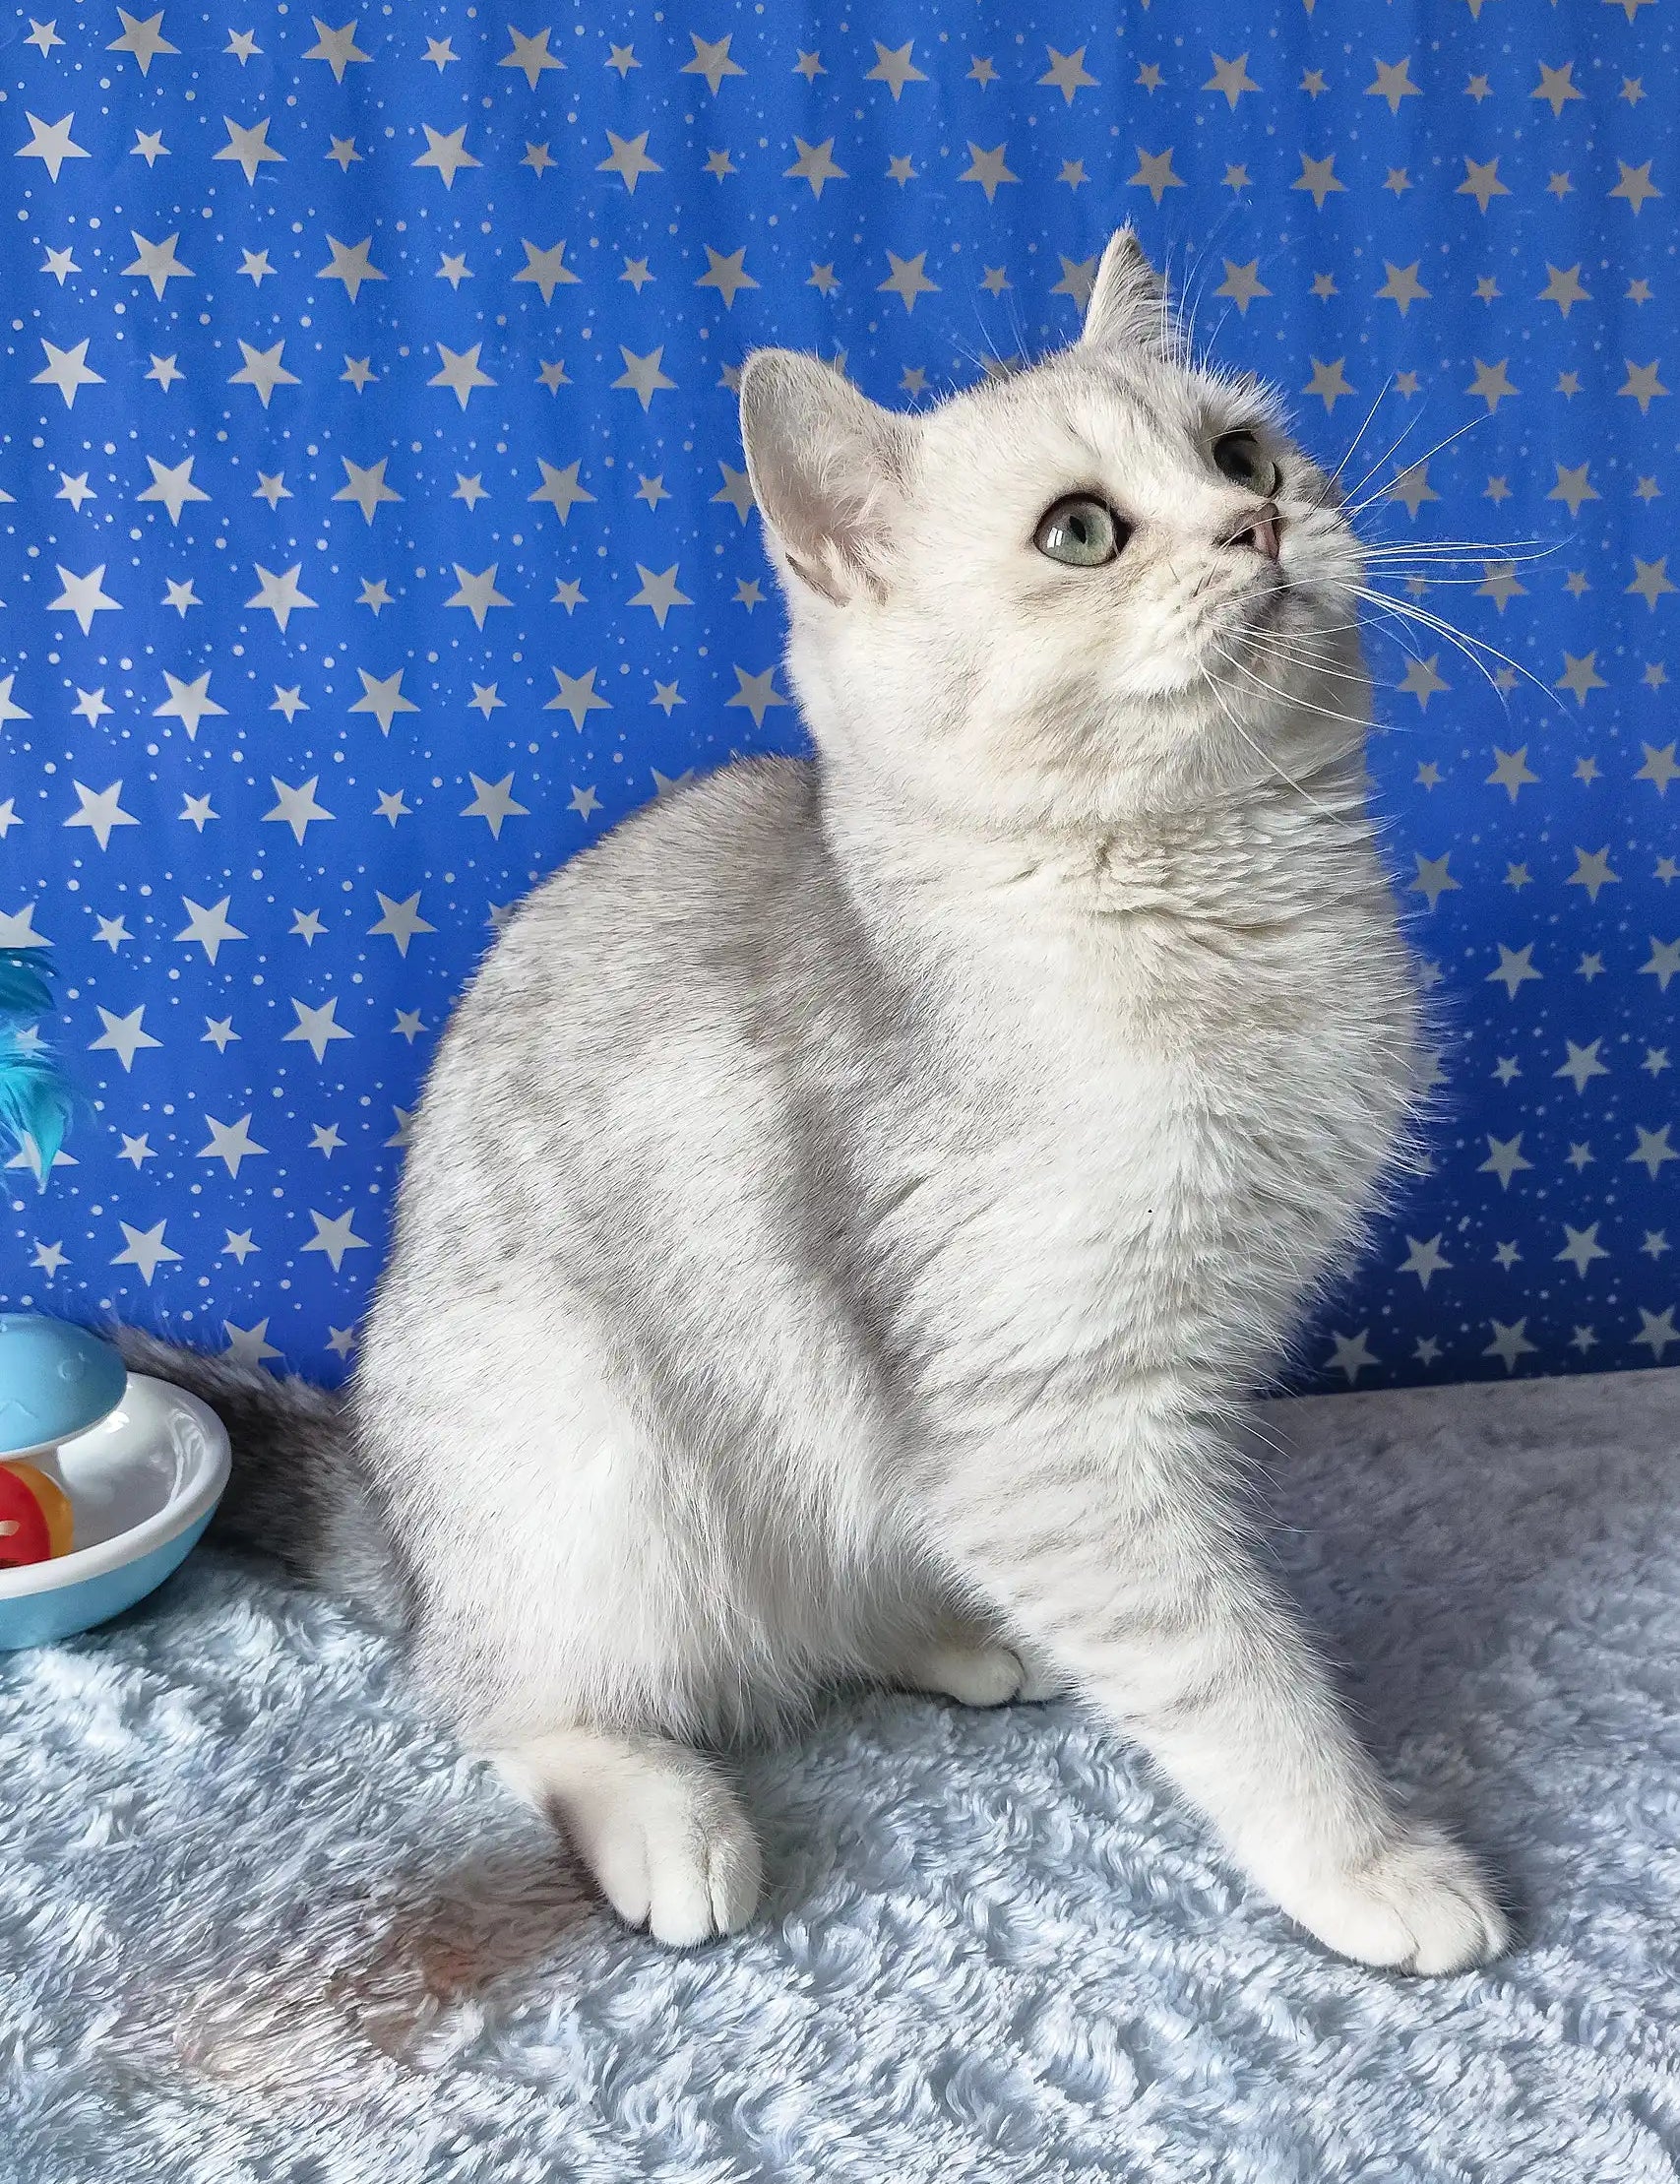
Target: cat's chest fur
<point>1158,1128</point>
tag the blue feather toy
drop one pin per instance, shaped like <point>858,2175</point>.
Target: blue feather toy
<point>37,1102</point>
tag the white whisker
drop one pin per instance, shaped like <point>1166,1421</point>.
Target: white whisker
<point>1358,507</point>
<point>1462,641</point>
<point>1272,690</point>
<point>1322,495</point>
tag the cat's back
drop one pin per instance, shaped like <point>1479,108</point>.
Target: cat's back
<point>674,911</point>
<point>639,1005</point>
<point>676,883</point>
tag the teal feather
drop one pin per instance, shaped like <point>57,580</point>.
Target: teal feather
<point>36,1101</point>
<point>23,990</point>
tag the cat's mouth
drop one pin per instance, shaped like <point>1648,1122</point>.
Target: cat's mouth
<point>1266,607</point>
<point>1274,600</point>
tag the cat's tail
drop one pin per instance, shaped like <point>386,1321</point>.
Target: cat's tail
<point>299,1491</point>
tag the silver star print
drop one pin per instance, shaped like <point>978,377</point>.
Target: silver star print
<point>399,921</point>
<point>382,696</point>
<point>264,371</point>
<point>560,488</point>
<point>477,593</point>
<point>297,808</point>
<point>660,593</point>
<point>144,39</point>
<point>577,695</point>
<point>280,595</point>
<point>545,269</point>
<point>642,374</point>
<point>895,69</point>
<point>337,1236</point>
<point>815,165</point>
<point>338,48</point>
<point>629,160</point>
<point>84,597</point>
<point>349,264</point>
<point>531,55</point>
<point>144,1249</point>
<point>364,484</point>
<point>248,147</point>
<point>448,153</point>
<point>317,1025</point>
<point>493,801</point>
<point>460,372</point>
<point>51,143</point>
<point>68,370</point>
<point>711,61</point>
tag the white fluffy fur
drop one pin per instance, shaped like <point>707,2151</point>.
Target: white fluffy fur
<point>256,1921</point>
<point>849,1207</point>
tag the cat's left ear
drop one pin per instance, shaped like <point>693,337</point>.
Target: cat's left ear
<point>1128,305</point>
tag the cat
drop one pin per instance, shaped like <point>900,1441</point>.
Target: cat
<point>849,1205</point>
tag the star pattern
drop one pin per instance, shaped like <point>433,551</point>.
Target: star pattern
<point>375,536</point>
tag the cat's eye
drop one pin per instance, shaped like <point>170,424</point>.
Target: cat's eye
<point>1082,531</point>
<point>1239,455</point>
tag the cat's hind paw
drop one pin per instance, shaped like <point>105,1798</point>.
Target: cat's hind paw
<point>981,1671</point>
<point>977,1674</point>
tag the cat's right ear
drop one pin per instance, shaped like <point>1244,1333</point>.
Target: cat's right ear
<point>824,464</point>
<point>1128,307</point>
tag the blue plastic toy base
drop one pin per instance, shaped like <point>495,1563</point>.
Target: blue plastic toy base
<point>43,1618</point>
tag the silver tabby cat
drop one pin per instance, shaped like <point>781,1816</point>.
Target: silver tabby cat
<point>849,1204</point>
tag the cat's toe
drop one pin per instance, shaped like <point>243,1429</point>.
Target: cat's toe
<point>693,1866</point>
<point>1422,1905</point>
<point>734,1876</point>
<point>666,1838</point>
<point>1042,1678</point>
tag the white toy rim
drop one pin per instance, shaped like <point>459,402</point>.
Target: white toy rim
<point>203,1490</point>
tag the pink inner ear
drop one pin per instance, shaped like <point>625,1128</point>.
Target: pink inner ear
<point>819,456</point>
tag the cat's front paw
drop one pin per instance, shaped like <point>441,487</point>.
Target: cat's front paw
<point>667,1840</point>
<point>1422,1904</point>
<point>681,1861</point>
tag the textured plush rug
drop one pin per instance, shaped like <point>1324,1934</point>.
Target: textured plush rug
<point>257,1922</point>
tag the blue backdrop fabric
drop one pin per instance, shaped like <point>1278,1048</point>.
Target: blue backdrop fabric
<point>376,534</point>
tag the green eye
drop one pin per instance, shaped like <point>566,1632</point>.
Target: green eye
<point>1080,532</point>
<point>1238,455</point>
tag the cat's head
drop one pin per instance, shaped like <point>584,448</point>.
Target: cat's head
<point>1106,587</point>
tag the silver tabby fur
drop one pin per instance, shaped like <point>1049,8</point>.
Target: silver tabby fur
<point>849,1204</point>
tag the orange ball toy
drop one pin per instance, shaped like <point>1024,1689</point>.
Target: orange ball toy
<point>35,1522</point>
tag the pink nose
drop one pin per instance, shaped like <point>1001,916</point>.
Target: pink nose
<point>1260,531</point>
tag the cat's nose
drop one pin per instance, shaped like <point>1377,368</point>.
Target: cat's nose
<point>1260,531</point>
